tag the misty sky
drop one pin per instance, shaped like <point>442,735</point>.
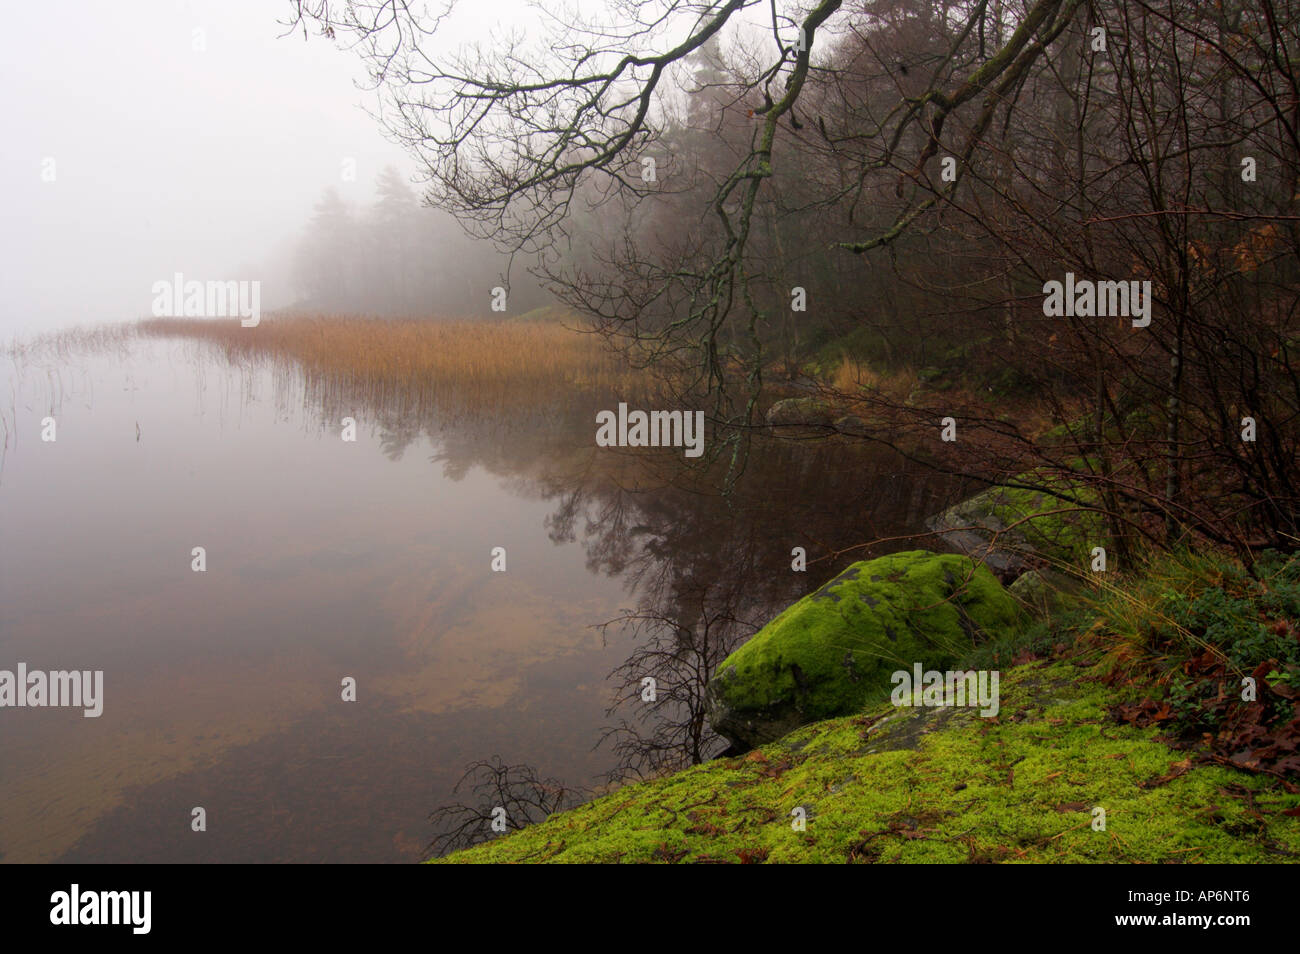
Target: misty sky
<point>172,158</point>
<point>168,158</point>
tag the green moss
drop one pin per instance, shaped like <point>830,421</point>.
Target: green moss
<point>937,785</point>
<point>1042,592</point>
<point>835,650</point>
<point>944,785</point>
<point>1034,521</point>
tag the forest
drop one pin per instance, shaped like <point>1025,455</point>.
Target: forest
<point>880,197</point>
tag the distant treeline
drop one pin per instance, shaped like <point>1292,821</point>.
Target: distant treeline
<point>400,257</point>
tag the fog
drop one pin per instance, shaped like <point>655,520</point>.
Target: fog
<point>188,137</point>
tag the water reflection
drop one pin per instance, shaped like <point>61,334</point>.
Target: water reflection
<point>371,560</point>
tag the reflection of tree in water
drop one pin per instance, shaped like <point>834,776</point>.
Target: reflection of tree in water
<point>395,439</point>
<point>501,798</point>
<point>707,570</point>
<point>704,569</point>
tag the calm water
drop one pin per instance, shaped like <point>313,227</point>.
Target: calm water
<point>328,559</point>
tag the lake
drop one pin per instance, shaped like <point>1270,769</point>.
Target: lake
<point>371,560</point>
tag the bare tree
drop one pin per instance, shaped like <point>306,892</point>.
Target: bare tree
<point>956,156</point>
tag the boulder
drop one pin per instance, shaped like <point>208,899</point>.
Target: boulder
<point>837,649</point>
<point>852,425</point>
<point>1044,592</point>
<point>799,411</point>
<point>1012,530</point>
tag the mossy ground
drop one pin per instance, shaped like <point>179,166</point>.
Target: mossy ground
<point>938,785</point>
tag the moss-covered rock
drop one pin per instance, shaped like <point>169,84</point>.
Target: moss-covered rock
<point>1044,592</point>
<point>837,648</point>
<point>938,785</point>
<point>851,425</point>
<point>800,411</point>
<point>1012,529</point>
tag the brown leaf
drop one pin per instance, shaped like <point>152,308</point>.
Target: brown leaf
<point>1176,769</point>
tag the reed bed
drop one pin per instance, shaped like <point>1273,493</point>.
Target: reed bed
<point>69,343</point>
<point>422,362</point>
